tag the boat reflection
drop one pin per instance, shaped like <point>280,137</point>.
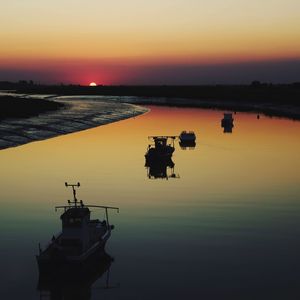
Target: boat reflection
<point>161,169</point>
<point>187,140</point>
<point>227,123</point>
<point>77,284</point>
<point>184,145</point>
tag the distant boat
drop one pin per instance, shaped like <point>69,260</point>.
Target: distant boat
<point>187,139</point>
<point>160,151</point>
<point>227,123</point>
<point>228,117</point>
<point>187,136</point>
<point>81,241</point>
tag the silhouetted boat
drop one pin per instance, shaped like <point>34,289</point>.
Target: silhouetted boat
<point>160,151</point>
<point>227,123</point>
<point>187,136</point>
<point>187,140</point>
<point>161,170</point>
<point>75,286</point>
<point>81,242</point>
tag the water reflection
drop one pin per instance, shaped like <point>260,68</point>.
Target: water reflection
<point>230,230</point>
<point>161,169</point>
<point>227,123</point>
<point>184,145</point>
<point>77,285</point>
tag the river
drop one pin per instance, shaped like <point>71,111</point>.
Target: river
<point>225,224</point>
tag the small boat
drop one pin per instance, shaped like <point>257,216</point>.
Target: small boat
<point>187,136</point>
<point>80,243</point>
<point>160,151</point>
<point>187,140</point>
<point>227,123</point>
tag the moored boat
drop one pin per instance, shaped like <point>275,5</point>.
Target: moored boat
<point>227,123</point>
<point>160,151</point>
<point>187,136</point>
<point>187,140</point>
<point>81,241</point>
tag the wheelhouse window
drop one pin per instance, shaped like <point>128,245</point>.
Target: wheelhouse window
<point>73,222</point>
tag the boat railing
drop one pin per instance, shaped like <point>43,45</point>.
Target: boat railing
<point>106,208</point>
<point>163,137</point>
<point>188,133</point>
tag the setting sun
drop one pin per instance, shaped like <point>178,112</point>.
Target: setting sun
<point>93,84</point>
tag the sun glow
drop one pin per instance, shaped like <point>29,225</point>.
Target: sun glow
<point>93,84</point>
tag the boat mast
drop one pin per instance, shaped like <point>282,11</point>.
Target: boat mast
<point>74,192</point>
<point>106,210</point>
<point>76,205</point>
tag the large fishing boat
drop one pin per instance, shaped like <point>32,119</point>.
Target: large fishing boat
<point>161,150</point>
<point>81,241</point>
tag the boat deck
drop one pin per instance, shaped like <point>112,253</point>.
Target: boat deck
<point>60,246</point>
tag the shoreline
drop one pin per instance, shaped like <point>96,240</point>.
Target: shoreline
<point>268,109</point>
<point>278,100</point>
<point>75,116</point>
<point>81,112</point>
<point>13,107</point>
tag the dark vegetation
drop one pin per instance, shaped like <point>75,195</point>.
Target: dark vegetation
<point>12,107</point>
<point>271,99</point>
<point>256,91</point>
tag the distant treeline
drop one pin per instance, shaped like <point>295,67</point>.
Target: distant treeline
<point>11,107</point>
<point>255,92</point>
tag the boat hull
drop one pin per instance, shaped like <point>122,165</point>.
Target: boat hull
<point>187,144</point>
<point>76,281</point>
<point>70,266</point>
<point>187,139</point>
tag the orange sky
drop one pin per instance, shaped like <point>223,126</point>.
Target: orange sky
<point>121,37</point>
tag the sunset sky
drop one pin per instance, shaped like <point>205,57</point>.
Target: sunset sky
<point>150,42</point>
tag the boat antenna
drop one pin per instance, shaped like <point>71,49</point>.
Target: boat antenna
<point>74,192</point>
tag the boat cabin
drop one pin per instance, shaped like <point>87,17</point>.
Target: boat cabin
<point>75,228</point>
<point>228,117</point>
<point>187,136</point>
<point>79,232</point>
<point>160,142</point>
<point>227,123</point>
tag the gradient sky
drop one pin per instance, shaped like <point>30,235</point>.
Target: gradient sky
<point>161,42</point>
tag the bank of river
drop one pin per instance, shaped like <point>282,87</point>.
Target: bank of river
<point>225,225</point>
<point>85,111</point>
<point>76,115</point>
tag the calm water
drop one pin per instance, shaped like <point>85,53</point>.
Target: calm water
<point>227,228</point>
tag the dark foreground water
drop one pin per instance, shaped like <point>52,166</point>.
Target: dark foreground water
<point>227,227</point>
